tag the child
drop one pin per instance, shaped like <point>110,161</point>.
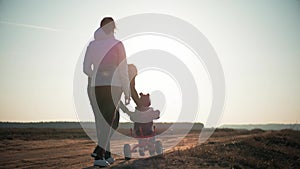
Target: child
<point>142,117</point>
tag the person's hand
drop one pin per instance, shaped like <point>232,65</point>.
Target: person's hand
<point>127,100</point>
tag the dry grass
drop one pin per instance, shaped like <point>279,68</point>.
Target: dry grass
<point>237,149</point>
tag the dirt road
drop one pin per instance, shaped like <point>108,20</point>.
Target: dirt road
<point>225,149</point>
<point>58,153</point>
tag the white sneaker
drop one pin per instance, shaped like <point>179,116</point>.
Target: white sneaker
<point>101,163</point>
<point>110,160</point>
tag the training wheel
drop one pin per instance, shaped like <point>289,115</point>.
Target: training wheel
<point>158,147</point>
<point>127,151</point>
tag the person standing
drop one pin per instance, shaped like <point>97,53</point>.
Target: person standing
<point>105,65</point>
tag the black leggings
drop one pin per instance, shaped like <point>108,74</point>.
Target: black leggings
<point>108,98</point>
<point>104,102</point>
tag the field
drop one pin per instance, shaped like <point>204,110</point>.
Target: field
<point>227,148</point>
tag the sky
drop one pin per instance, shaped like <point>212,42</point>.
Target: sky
<point>257,43</point>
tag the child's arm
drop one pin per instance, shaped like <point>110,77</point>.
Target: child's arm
<point>124,108</point>
<point>155,114</point>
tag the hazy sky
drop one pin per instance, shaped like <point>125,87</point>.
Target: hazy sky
<point>257,42</point>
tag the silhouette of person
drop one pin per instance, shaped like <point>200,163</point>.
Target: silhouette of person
<point>106,66</point>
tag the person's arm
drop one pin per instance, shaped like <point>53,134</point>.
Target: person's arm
<point>87,63</point>
<point>124,108</point>
<point>123,72</point>
<point>155,114</point>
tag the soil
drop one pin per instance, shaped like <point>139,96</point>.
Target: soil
<point>226,148</point>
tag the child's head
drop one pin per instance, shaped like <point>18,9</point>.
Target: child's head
<point>145,100</point>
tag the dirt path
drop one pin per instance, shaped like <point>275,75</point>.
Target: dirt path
<point>63,153</point>
<point>225,149</point>
<point>67,153</point>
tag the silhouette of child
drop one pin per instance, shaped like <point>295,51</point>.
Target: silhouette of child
<point>143,116</point>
